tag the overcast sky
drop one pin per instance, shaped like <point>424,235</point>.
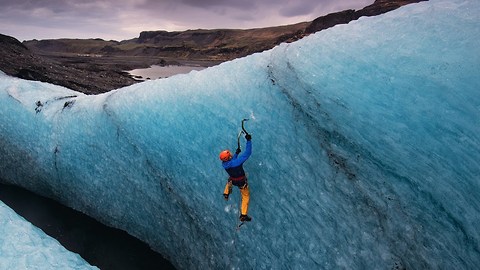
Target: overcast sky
<point>125,19</point>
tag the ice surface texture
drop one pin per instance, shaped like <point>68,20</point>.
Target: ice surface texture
<point>366,149</point>
<point>24,246</point>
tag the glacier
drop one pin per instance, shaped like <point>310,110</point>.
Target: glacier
<point>24,246</point>
<point>366,149</point>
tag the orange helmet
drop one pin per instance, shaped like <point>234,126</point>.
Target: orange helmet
<point>225,155</point>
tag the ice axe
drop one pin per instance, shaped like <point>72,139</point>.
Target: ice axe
<point>238,138</point>
<point>243,127</point>
<point>243,131</point>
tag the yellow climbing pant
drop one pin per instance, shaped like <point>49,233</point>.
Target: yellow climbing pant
<point>245,196</point>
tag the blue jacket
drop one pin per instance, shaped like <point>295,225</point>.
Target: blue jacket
<point>234,167</point>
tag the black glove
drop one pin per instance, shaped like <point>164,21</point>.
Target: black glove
<point>238,151</point>
<point>225,196</point>
<point>248,137</point>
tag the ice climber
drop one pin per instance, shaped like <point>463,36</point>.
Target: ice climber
<point>234,167</point>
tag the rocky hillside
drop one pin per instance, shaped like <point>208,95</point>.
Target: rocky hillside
<point>342,17</point>
<point>95,65</point>
<point>90,78</point>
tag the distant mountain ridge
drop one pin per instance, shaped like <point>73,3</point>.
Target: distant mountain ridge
<point>202,45</point>
<point>209,45</point>
<point>95,65</point>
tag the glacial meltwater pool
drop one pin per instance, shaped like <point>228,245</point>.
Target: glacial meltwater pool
<point>158,72</point>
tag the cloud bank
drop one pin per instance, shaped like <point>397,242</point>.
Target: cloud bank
<point>125,19</point>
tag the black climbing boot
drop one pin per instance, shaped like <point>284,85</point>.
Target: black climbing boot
<point>244,218</point>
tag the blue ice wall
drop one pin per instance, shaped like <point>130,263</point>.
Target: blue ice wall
<point>366,149</point>
<point>23,246</point>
